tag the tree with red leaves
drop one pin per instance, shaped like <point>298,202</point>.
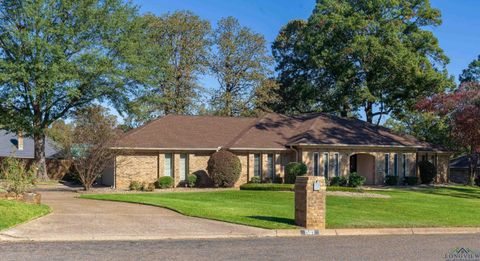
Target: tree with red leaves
<point>462,109</point>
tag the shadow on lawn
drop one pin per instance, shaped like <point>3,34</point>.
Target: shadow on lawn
<point>459,192</point>
<point>288,221</point>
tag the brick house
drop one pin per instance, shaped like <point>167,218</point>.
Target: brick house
<point>177,145</point>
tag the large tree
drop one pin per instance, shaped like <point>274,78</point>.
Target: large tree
<point>57,56</point>
<point>471,73</point>
<point>372,56</point>
<point>182,38</point>
<point>462,109</point>
<point>241,64</point>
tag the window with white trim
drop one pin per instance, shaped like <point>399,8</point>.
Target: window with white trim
<point>337,165</point>
<point>316,159</point>
<point>387,164</point>
<point>257,170</point>
<point>168,165</point>
<point>325,165</point>
<point>395,164</point>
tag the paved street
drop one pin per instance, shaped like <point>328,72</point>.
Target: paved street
<point>418,247</point>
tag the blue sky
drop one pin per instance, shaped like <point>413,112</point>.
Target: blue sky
<point>459,35</point>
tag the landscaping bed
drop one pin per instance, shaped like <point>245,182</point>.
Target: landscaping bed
<point>15,212</point>
<point>432,207</point>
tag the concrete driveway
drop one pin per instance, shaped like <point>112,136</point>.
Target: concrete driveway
<point>75,219</point>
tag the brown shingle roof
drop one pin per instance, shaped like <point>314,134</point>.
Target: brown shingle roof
<point>272,131</point>
<point>178,131</point>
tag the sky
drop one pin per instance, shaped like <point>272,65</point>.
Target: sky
<point>459,35</point>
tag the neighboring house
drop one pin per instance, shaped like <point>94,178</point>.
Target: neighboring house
<point>330,146</point>
<point>459,170</point>
<point>22,147</point>
<point>18,146</point>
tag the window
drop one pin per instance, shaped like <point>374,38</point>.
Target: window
<point>424,157</point>
<point>325,165</point>
<point>387,164</point>
<point>337,165</point>
<point>270,166</point>
<point>183,164</point>
<point>316,163</point>
<point>256,165</point>
<point>168,165</point>
<point>404,165</point>
<point>395,164</point>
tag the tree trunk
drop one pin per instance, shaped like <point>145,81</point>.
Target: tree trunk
<point>39,156</point>
<point>369,112</point>
<point>472,168</point>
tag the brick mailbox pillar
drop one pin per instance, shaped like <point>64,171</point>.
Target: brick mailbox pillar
<point>310,202</point>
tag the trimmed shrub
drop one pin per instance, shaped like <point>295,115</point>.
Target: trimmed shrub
<point>391,180</point>
<point>148,186</point>
<point>428,172</point>
<point>411,180</point>
<point>265,186</point>
<point>164,182</point>
<point>294,169</point>
<point>135,185</point>
<point>255,180</point>
<point>224,168</point>
<point>278,179</point>
<point>355,180</point>
<point>338,181</point>
<point>191,180</point>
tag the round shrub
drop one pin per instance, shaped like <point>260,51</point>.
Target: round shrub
<point>428,172</point>
<point>294,169</point>
<point>224,168</point>
<point>338,181</point>
<point>411,180</point>
<point>355,180</point>
<point>391,180</point>
<point>191,180</point>
<point>135,185</point>
<point>164,182</point>
<point>255,180</point>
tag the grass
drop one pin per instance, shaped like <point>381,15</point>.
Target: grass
<point>15,212</point>
<point>289,187</point>
<point>431,207</point>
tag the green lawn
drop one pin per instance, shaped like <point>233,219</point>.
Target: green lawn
<point>15,212</point>
<point>452,206</point>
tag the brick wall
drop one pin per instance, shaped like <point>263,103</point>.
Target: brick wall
<point>142,167</point>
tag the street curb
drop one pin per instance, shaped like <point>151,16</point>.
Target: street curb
<point>377,231</point>
<point>5,238</point>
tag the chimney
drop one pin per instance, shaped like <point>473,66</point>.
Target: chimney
<point>20,141</point>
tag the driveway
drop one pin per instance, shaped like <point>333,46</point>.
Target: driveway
<point>82,219</point>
